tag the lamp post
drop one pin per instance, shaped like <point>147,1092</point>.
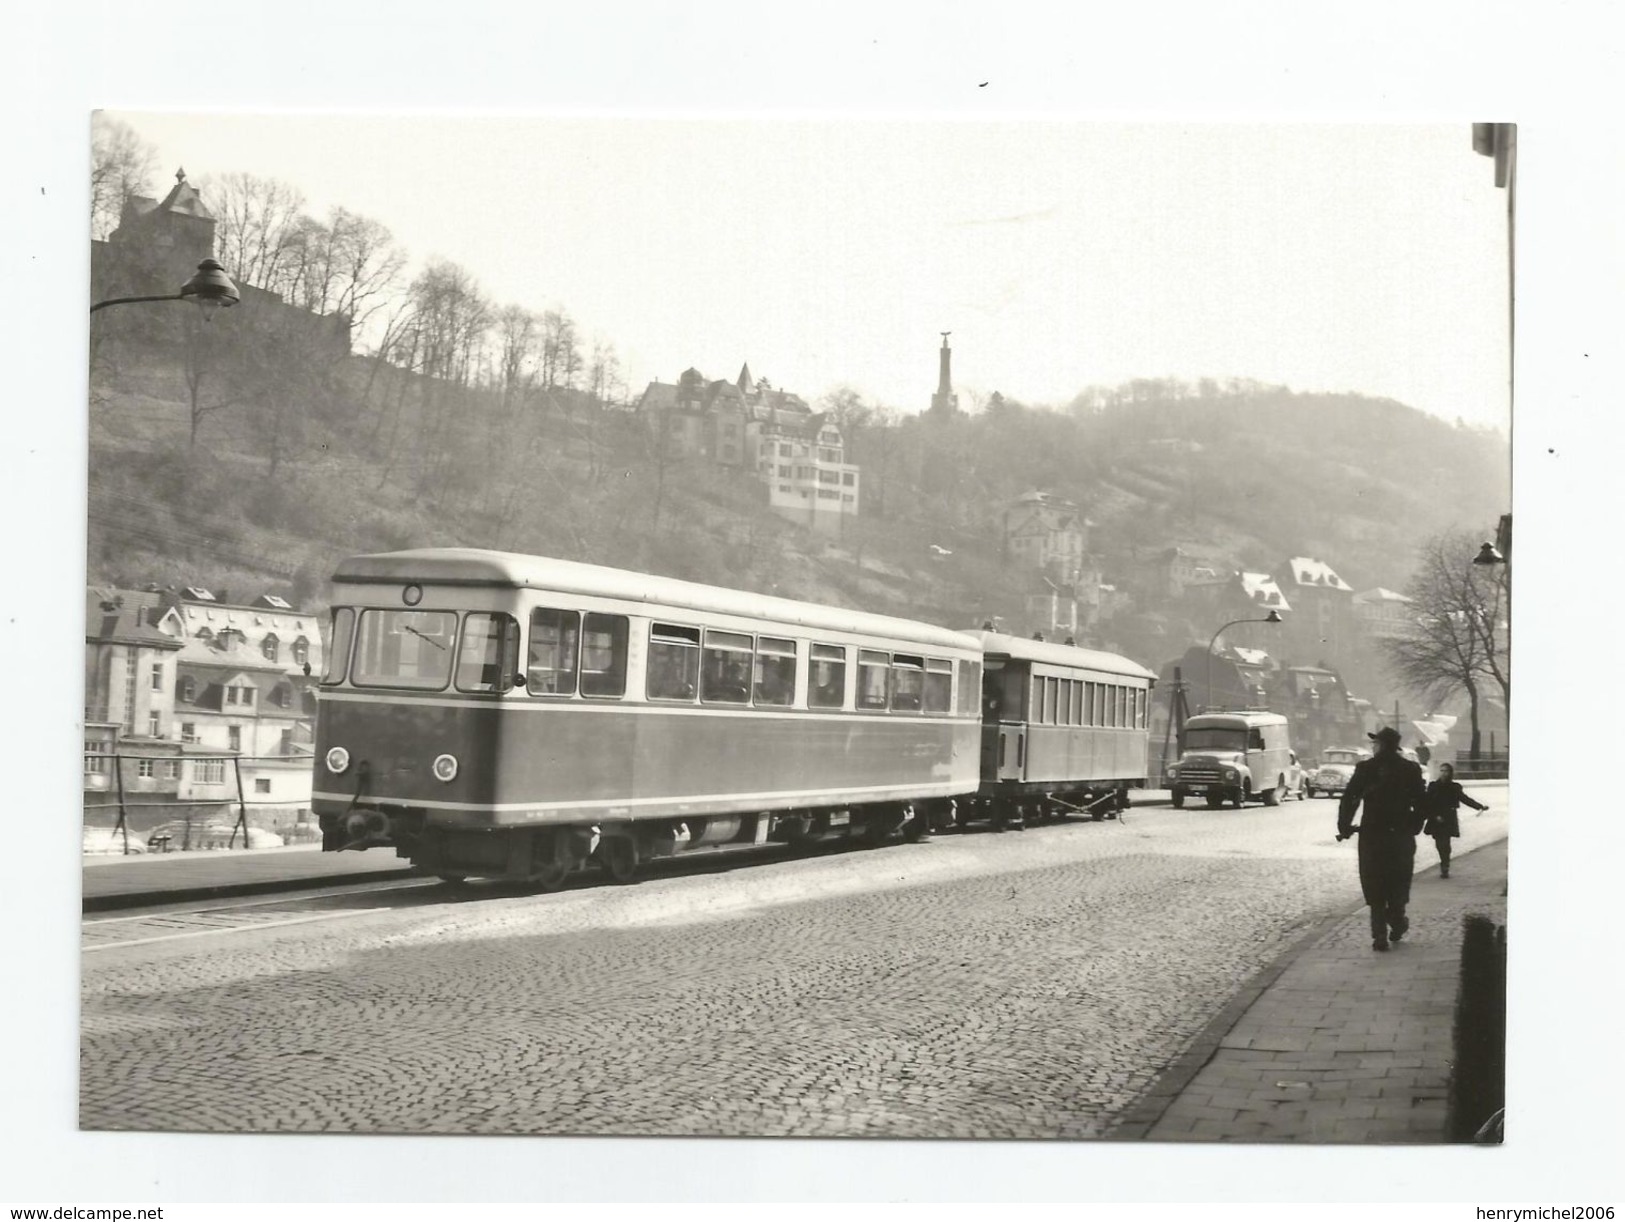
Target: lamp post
<point>209,286</point>
<point>1274,617</point>
<point>1490,555</point>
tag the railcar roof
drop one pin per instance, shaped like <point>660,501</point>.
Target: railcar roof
<point>1060,655</point>
<point>1228,720</point>
<point>481,567</point>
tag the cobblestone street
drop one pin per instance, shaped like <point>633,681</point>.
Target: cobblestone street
<point>1025,985</point>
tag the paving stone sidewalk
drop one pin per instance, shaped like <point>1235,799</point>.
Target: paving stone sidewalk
<point>1339,1043</point>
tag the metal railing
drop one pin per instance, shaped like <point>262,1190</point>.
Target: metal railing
<point>124,804</point>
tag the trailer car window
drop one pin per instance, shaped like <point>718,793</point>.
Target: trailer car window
<point>775,677</point>
<point>603,655</point>
<point>826,688</point>
<point>338,652</point>
<point>970,688</point>
<point>674,662</point>
<point>405,649</point>
<point>907,683</point>
<point>555,640</point>
<point>726,667</point>
<point>939,685</point>
<point>873,667</point>
<point>489,653</point>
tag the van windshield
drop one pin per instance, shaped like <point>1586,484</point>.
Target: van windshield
<point>1216,738</point>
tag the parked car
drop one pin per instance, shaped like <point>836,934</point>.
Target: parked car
<point>1297,778</point>
<point>1336,767</point>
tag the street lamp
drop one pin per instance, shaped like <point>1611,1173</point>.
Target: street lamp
<point>1274,617</point>
<point>209,286</point>
<point>1490,555</point>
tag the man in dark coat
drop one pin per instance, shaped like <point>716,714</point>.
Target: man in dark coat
<point>1392,789</point>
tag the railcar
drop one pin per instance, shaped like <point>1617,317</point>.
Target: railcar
<point>1064,730</point>
<point>499,715</point>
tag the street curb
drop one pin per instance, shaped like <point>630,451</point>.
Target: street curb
<point>267,886</point>
<point>1142,1116</point>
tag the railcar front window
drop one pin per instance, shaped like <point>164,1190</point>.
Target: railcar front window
<point>405,649</point>
<point>603,655</point>
<point>555,640</point>
<point>725,669</point>
<point>775,678</point>
<point>1215,738</point>
<point>939,685</point>
<point>489,653</point>
<point>827,684</point>
<point>338,655</point>
<point>907,683</point>
<point>674,662</point>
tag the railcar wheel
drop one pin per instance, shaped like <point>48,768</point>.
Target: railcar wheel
<point>551,877</point>
<point>918,828</point>
<point>619,857</point>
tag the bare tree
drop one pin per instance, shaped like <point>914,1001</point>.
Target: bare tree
<point>259,230</point>
<point>560,358</point>
<point>121,164</point>
<point>1453,626</point>
<point>204,359</point>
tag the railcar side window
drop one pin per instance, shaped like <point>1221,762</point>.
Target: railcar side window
<point>1139,708</point>
<point>1077,703</point>
<point>338,652</point>
<point>407,649</point>
<point>939,684</point>
<point>907,683</point>
<point>872,670</point>
<point>725,672</point>
<point>674,662</point>
<point>555,642</point>
<point>775,678</point>
<point>970,688</point>
<point>826,688</point>
<point>489,653</point>
<point>603,655</point>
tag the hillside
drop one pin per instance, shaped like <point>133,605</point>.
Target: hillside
<point>307,456</point>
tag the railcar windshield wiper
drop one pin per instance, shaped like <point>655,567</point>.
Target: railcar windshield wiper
<point>423,637</point>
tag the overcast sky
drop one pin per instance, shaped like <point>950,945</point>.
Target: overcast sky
<point>1367,258</point>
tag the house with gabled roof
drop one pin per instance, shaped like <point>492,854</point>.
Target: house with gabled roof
<point>1046,532</point>
<point>1323,624</point>
<point>1382,613</point>
<point>130,665</point>
<point>244,714</point>
<point>798,454</point>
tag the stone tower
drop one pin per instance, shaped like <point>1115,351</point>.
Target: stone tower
<point>944,404</point>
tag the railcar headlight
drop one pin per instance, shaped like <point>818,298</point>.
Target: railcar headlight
<point>338,759</point>
<point>445,767</point>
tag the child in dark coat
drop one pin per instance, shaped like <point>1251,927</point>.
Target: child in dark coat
<point>1443,797</point>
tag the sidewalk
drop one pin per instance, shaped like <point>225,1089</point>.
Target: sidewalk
<point>158,878</point>
<point>1337,1042</point>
